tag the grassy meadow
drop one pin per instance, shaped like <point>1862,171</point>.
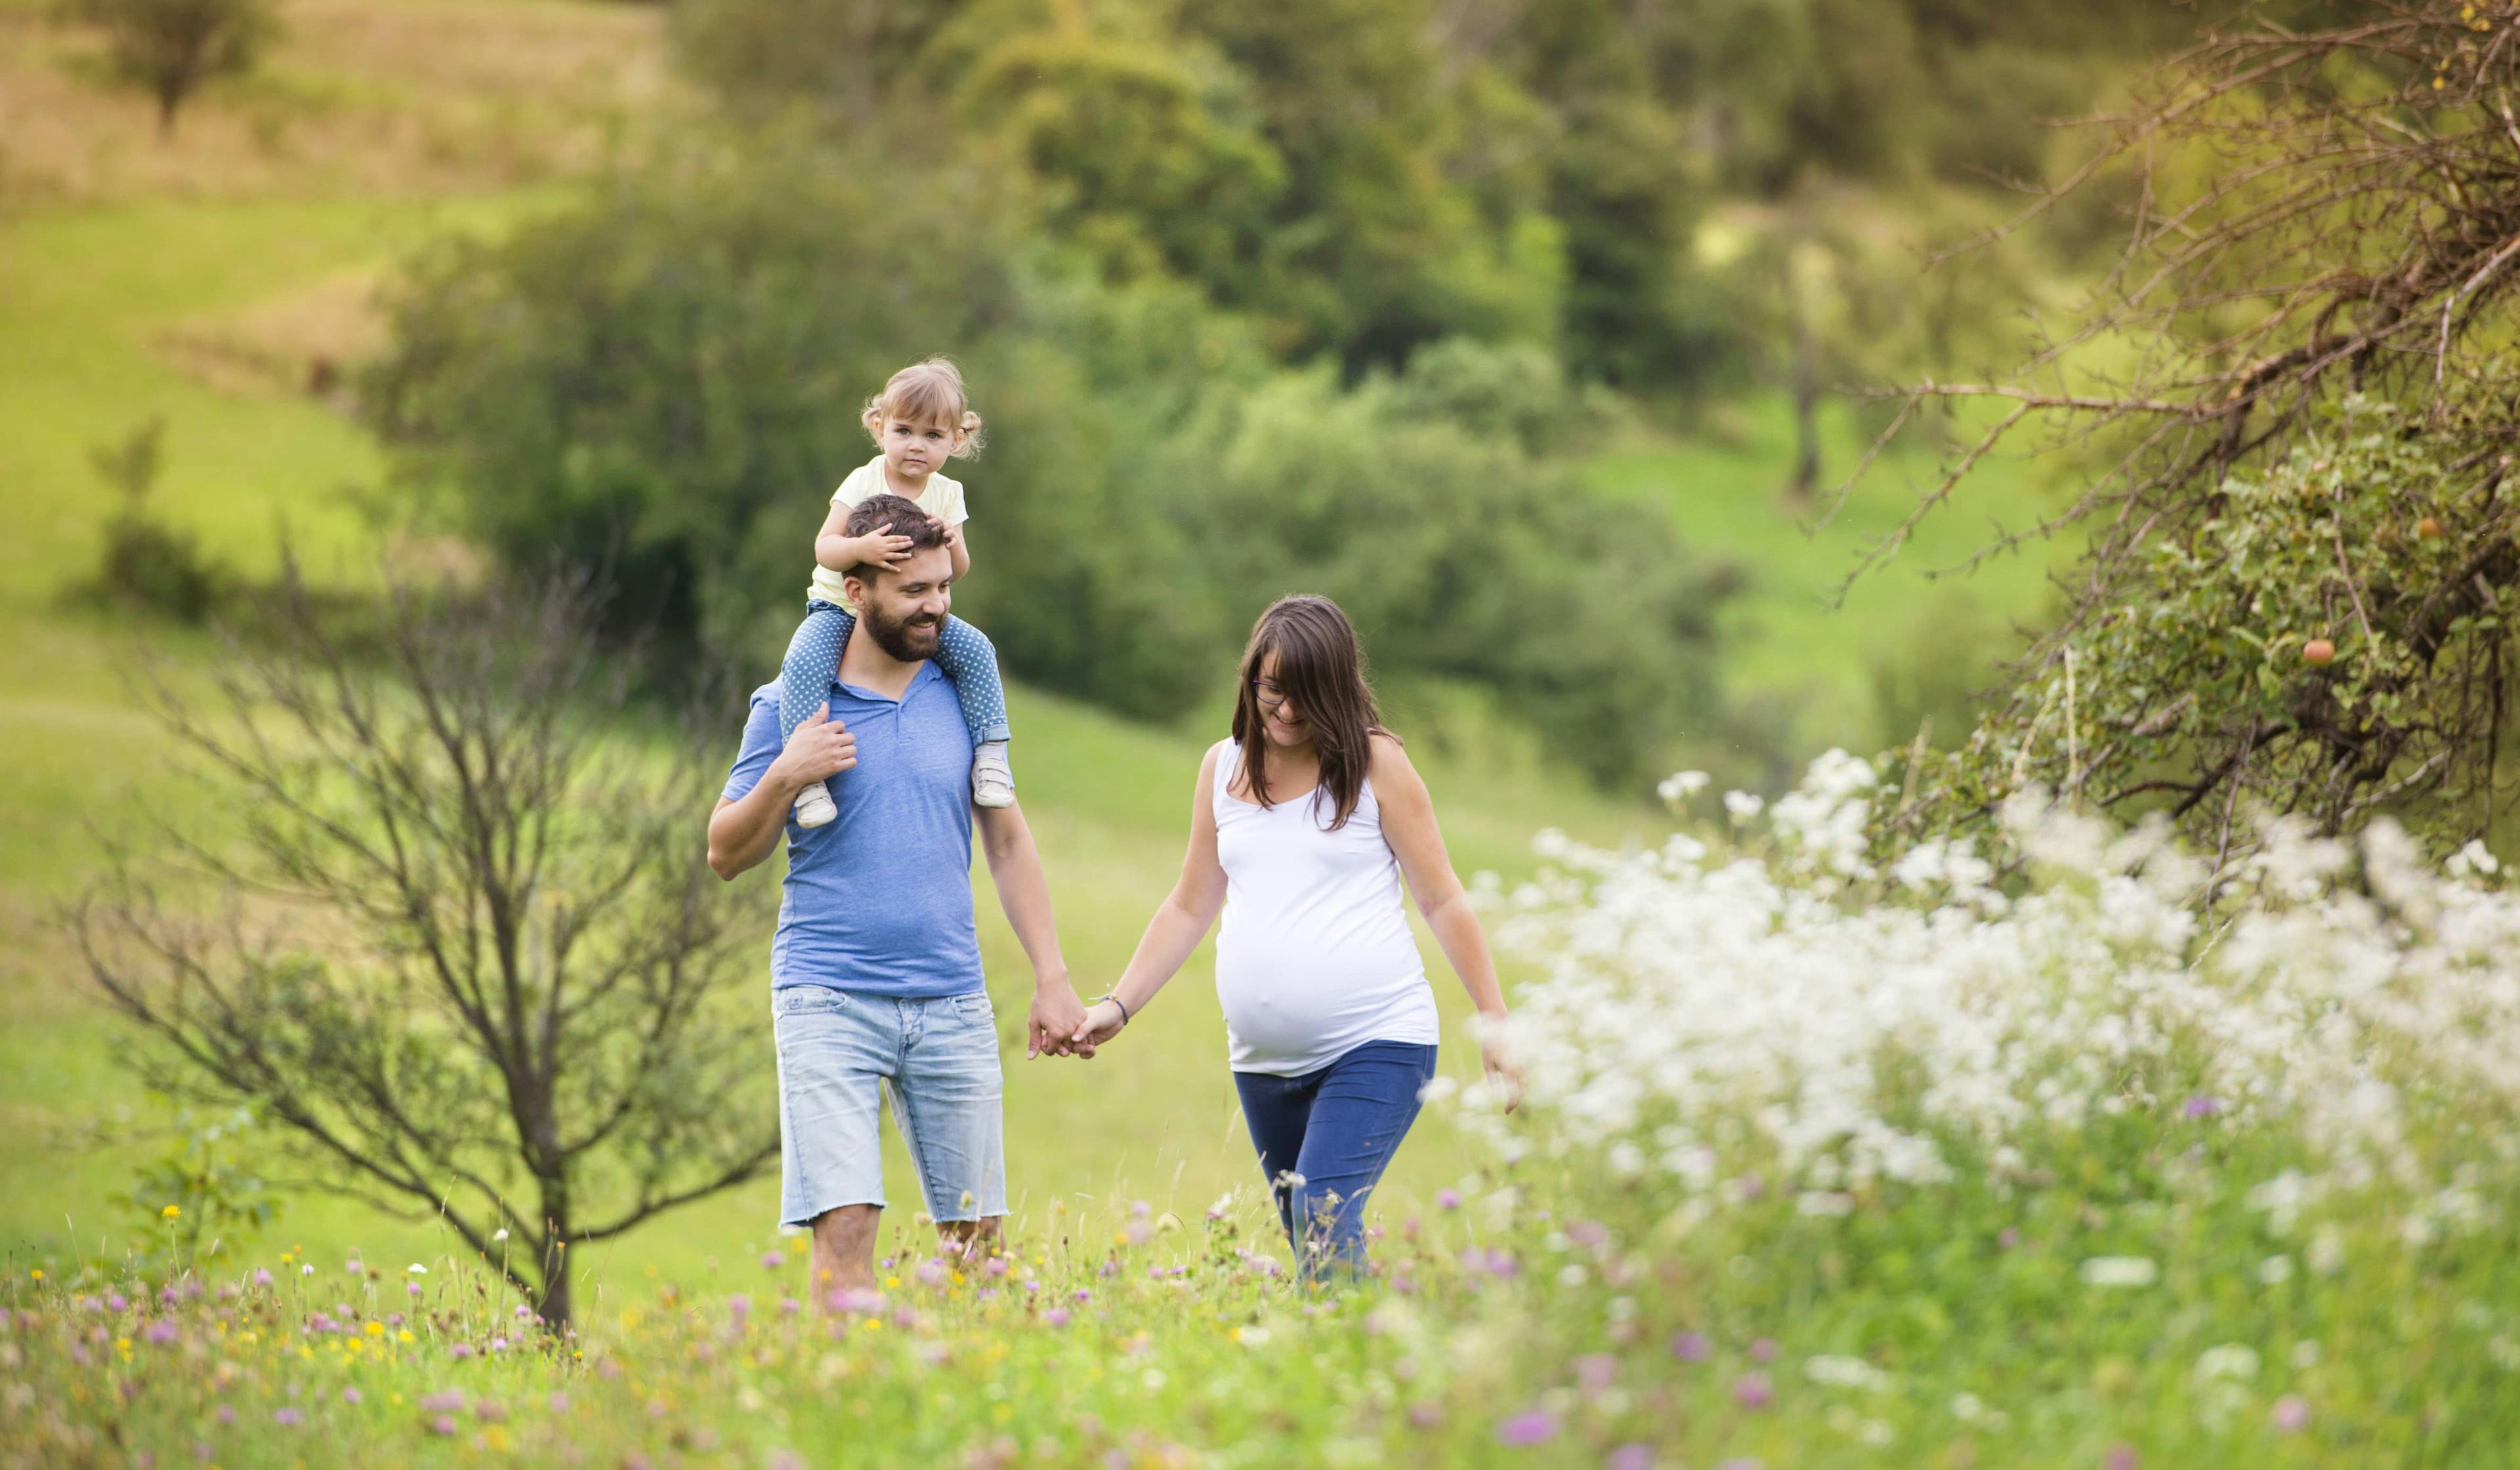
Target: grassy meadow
<point>221,281</point>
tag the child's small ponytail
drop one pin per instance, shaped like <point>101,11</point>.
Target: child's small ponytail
<point>926,392</point>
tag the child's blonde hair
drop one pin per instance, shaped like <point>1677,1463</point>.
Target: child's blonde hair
<point>925,393</point>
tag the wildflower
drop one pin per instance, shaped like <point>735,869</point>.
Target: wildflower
<point>443,1424</point>
<point>558,1402</point>
<point>1425,1415</point>
<point>1535,1426</point>
<point>460,1349</point>
<point>772,1261</point>
<point>169,1213</point>
<point>1630,1456</point>
<point>350,1395</point>
<point>2291,1414</point>
<point>287,1416</point>
<point>1448,1199</point>
<point>2227,1361</point>
<point>447,1401</point>
<point>1753,1391</point>
<point>1597,1371</point>
<point>307,1269</point>
<point>2202,1105</point>
<point>1763,1349</point>
<point>499,1235</point>
<point>2122,1457</point>
<point>2119,1271</point>
<point>415,1269</point>
<point>1691,1347</point>
<point>1056,1317</point>
<point>115,1301</point>
<point>162,1331</point>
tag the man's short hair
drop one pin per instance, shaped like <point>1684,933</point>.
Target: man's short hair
<point>903,515</point>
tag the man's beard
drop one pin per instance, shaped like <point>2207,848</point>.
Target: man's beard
<point>898,638</point>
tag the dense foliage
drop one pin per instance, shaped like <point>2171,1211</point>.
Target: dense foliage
<point>665,381</point>
<point>2294,395</point>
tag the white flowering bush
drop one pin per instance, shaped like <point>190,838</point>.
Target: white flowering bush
<point>1780,1009</point>
<point>2027,1148</point>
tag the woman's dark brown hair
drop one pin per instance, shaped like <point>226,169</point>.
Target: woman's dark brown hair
<point>1320,666</point>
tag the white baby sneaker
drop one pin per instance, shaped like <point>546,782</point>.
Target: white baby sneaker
<point>993,781</point>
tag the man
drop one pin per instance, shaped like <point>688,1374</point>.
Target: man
<point>874,974</point>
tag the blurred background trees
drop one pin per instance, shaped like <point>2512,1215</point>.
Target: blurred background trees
<point>1331,294</point>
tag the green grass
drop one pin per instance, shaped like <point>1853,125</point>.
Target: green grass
<point>1788,637</point>
<point>91,296</point>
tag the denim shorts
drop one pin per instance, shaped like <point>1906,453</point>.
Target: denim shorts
<point>936,1057</point>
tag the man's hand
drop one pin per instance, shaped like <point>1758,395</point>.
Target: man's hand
<point>1057,1013</point>
<point>821,748</point>
<point>880,548</point>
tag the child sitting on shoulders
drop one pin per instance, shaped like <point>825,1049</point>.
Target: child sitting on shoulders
<point>919,421</point>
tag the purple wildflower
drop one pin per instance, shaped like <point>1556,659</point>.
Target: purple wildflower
<point>449,1401</point>
<point>772,1261</point>
<point>2122,1457</point>
<point>350,1395</point>
<point>559,1403</point>
<point>1448,1199</point>
<point>287,1416</point>
<point>2291,1413</point>
<point>117,1302</point>
<point>162,1331</point>
<point>1587,1234</point>
<point>1534,1426</point>
<point>1691,1347</point>
<point>1763,1349</point>
<point>1631,1456</point>
<point>460,1349</point>
<point>2202,1105</point>
<point>442,1424</point>
<point>1753,1391</point>
<point>1597,1371</point>
<point>1056,1317</point>
<point>1425,1415</point>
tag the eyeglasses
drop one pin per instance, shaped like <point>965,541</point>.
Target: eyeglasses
<point>1267,693</point>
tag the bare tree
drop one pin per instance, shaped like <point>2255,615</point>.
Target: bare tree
<point>463,950</point>
<point>171,47</point>
<point>2295,398</point>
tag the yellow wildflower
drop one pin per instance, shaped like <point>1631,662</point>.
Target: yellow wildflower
<point>404,1336</point>
<point>375,1329</point>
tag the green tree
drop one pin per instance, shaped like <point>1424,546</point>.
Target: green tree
<point>173,47</point>
<point>2300,576</point>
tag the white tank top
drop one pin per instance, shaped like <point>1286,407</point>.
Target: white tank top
<point>1315,957</point>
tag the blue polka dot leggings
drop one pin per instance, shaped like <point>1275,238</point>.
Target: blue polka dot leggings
<point>964,654</point>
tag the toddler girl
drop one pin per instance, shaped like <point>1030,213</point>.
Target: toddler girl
<point>919,421</point>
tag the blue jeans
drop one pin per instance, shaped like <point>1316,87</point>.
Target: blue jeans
<point>964,654</point>
<point>1325,1139</point>
<point>840,1050</point>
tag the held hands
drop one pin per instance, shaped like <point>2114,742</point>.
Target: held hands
<point>1102,1021</point>
<point>821,748</point>
<point>1056,1014</point>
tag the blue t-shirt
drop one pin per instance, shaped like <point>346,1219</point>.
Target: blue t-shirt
<point>879,900</point>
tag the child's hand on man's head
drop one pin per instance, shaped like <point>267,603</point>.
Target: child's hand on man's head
<point>882,546</point>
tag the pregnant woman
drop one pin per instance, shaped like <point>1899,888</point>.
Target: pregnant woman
<point>1301,829</point>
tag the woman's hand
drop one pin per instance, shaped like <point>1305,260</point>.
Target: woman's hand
<point>1103,1020</point>
<point>1501,1070</point>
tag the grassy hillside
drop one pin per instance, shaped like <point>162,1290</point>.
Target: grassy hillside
<point>217,280</point>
